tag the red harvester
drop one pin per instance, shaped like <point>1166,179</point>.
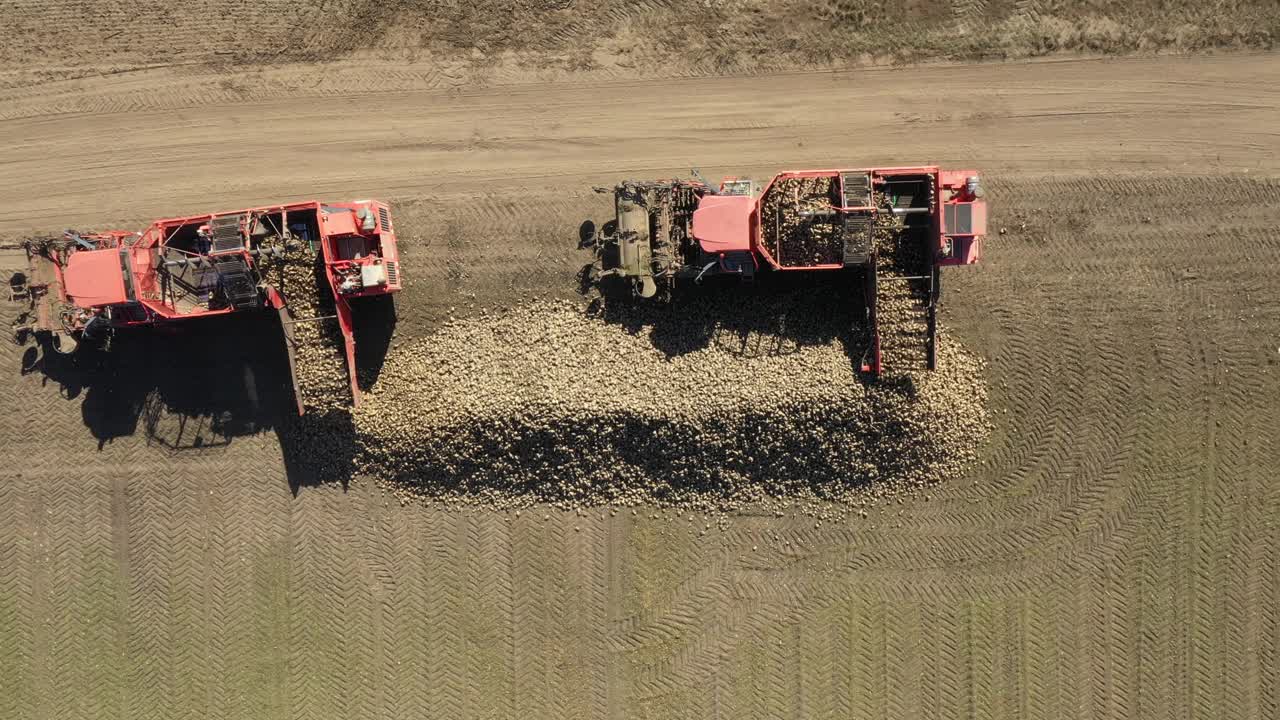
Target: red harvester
<point>84,286</point>
<point>898,226</point>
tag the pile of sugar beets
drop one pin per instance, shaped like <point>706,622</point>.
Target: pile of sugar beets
<point>689,406</point>
<point>696,405</point>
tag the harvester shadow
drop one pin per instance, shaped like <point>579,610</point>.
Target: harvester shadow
<point>778,314</point>
<point>375,325</point>
<point>183,390</point>
<point>202,386</point>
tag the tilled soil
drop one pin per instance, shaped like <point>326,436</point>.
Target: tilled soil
<point>1112,553</point>
<point>1123,507</point>
<point>548,404</point>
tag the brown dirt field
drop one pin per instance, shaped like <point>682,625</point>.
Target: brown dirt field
<point>60,38</point>
<point>1114,554</point>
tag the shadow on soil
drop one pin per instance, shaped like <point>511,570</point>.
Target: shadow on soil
<point>203,384</point>
<point>776,314</point>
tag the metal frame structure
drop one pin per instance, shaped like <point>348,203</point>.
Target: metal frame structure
<point>182,268</point>
<point>717,243</point>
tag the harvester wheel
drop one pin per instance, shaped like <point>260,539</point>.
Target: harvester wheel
<point>645,287</point>
<point>587,235</point>
<point>588,278</point>
<point>30,360</point>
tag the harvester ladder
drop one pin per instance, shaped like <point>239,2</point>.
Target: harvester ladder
<point>856,189</point>
<point>228,233</point>
<point>238,285</point>
<point>856,232</point>
<point>857,218</point>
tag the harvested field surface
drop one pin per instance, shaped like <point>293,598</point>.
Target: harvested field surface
<point>1111,554</point>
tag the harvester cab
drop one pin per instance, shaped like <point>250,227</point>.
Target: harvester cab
<point>892,228</point>
<point>85,286</point>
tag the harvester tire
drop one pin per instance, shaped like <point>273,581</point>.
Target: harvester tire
<point>587,235</point>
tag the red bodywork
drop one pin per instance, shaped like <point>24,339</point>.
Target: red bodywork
<point>723,223</point>
<point>895,227</point>
<point>956,227</point>
<point>951,246</point>
<point>129,276</point>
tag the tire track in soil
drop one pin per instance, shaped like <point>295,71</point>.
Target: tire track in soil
<point>1215,507</point>
<point>187,539</point>
<point>32,591</point>
<point>15,574</point>
<point>244,595</point>
<point>99,603</point>
<point>64,546</point>
<point>869,678</point>
<point>151,643</point>
<point>490,652</point>
<point>315,615</point>
<point>596,548</point>
<point>902,657</point>
<point>818,674</point>
<point>1235,517</point>
<point>984,630</point>
<point>777,682</point>
<point>560,607</point>
<point>407,615</point>
<point>365,575</point>
<point>944,673</point>
<point>226,589</point>
<point>1015,664</point>
<point>534,605</point>
<point>1158,611</point>
<point>443,565</point>
<point>585,569</point>
<point>1266,588</point>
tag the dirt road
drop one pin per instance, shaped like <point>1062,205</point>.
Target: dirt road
<point>1114,555</point>
<point>164,143</point>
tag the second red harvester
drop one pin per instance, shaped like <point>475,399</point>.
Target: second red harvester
<point>83,286</point>
<point>893,228</point>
